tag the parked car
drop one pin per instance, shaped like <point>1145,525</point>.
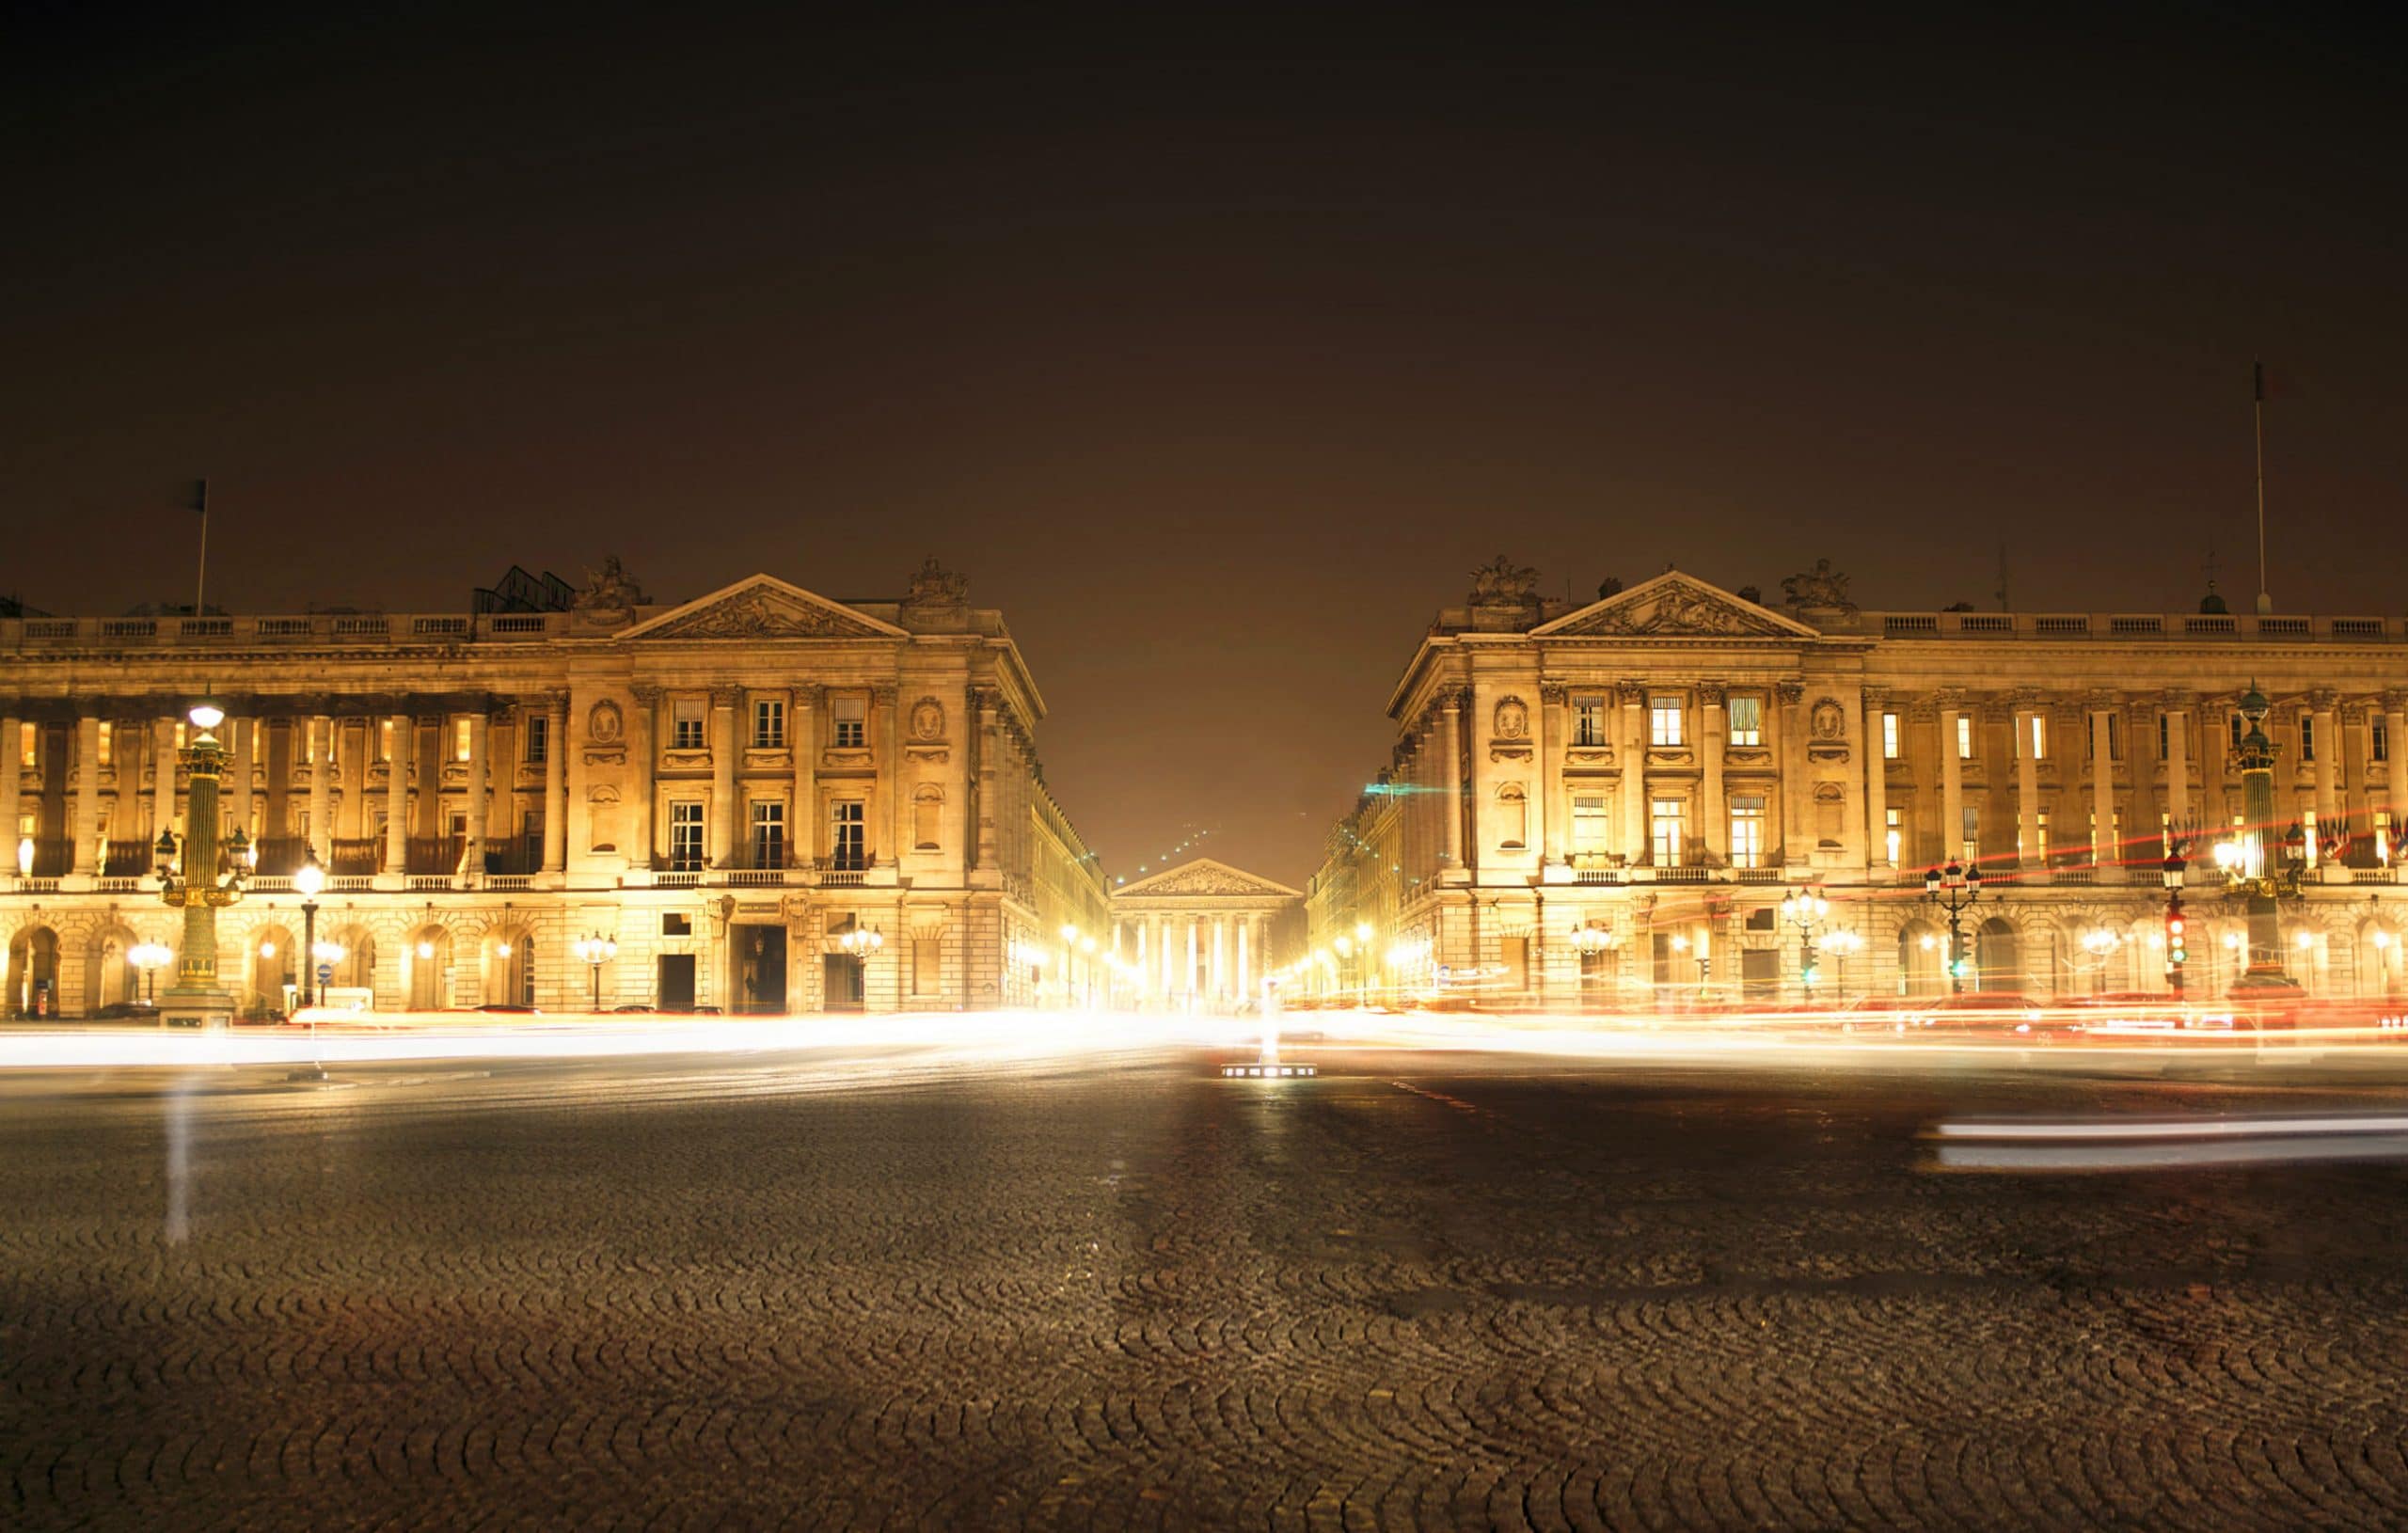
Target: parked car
<point>127,1011</point>
<point>506,1008</point>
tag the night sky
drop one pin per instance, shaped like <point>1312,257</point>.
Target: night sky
<point>1216,352</point>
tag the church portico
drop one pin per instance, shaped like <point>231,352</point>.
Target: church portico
<point>1195,937</point>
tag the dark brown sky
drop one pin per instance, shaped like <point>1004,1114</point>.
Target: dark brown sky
<point>1216,352</point>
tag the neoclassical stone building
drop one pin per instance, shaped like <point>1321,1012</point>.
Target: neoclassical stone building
<point>1588,797</point>
<point>768,799</point>
<point>1200,936</point>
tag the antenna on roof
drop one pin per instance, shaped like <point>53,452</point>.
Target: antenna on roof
<point>2001,580</point>
<point>198,499</point>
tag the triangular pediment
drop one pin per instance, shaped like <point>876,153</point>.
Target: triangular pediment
<point>762,607</point>
<point>1205,876</point>
<point>1673,606</point>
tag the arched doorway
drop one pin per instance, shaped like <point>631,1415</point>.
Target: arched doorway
<point>760,961</point>
<point>33,973</point>
<point>109,975</point>
<point>1998,956</point>
<point>274,959</point>
<point>355,963</point>
<point>2382,962</point>
<point>510,968</point>
<point>1922,959</point>
<point>427,965</point>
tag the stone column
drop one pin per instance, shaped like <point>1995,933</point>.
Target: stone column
<point>2029,852</point>
<point>889,768</point>
<point>162,752</point>
<point>1245,955</point>
<point>236,794</point>
<point>723,749</point>
<point>2177,766</point>
<point>2395,729</point>
<point>556,779</point>
<point>1549,790</point>
<point>1195,940</point>
<point>1876,784</point>
<point>1450,704</point>
<point>2104,852</point>
<point>1796,784</point>
<point>322,781</point>
<point>1855,838</point>
<point>12,777</point>
<point>87,797</point>
<point>1217,985</point>
<point>2328,756</point>
<point>643,757</point>
<point>1633,753</point>
<point>397,792</point>
<point>1951,780</point>
<point>1713,831</point>
<point>472,856</point>
<point>803,733</point>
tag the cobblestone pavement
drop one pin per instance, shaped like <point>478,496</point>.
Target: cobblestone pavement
<point>1413,1294</point>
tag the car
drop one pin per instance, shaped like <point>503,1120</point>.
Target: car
<point>126,1011</point>
<point>508,1009</point>
<point>2009,1014</point>
<point>631,1006</point>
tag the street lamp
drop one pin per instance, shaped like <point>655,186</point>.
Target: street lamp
<point>200,886</point>
<point>2099,942</point>
<point>150,957</point>
<point>1841,942</point>
<point>2177,952</point>
<point>1805,910</point>
<point>1591,941</point>
<point>308,879</point>
<point>1954,888</point>
<point>593,951</point>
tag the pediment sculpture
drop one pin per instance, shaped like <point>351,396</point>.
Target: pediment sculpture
<point>760,614</point>
<point>1677,610</point>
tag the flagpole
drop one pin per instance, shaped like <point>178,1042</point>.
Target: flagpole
<point>200,582</point>
<point>2258,413</point>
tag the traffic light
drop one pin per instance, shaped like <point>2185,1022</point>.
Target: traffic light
<point>1959,968</point>
<point>2177,951</point>
<point>1813,972</point>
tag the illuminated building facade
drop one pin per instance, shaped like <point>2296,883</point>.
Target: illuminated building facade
<point>762,800</point>
<point>1199,936</point>
<point>1586,799</point>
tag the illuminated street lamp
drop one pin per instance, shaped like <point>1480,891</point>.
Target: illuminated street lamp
<point>2099,942</point>
<point>308,879</point>
<point>1840,941</point>
<point>1805,910</point>
<point>2178,948</point>
<point>203,880</point>
<point>593,951</point>
<point>1954,888</point>
<point>2248,871</point>
<point>150,957</point>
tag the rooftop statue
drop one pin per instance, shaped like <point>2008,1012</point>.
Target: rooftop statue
<point>936,586</point>
<point>1503,583</point>
<point>1820,586</point>
<point>610,589</point>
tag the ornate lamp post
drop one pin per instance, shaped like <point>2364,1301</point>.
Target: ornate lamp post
<point>1954,888</point>
<point>593,951</point>
<point>2260,881</point>
<point>205,882</point>
<point>2099,942</point>
<point>2178,948</point>
<point>1840,942</point>
<point>308,879</point>
<point>1805,910</point>
<point>1591,941</point>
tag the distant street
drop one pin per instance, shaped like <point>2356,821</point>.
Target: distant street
<point>1423,1290</point>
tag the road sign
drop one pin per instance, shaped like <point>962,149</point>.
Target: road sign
<point>326,973</point>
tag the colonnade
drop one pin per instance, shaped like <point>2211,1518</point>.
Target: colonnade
<point>1193,958</point>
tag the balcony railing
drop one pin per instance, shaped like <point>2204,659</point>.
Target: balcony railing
<point>222,632</point>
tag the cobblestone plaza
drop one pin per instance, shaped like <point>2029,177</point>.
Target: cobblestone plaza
<point>1416,1294</point>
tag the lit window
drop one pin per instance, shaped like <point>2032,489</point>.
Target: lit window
<point>2308,831</point>
<point>1964,736</point>
<point>847,847</point>
<point>768,834</point>
<point>2039,736</point>
<point>2240,729</point>
<point>2382,836</point>
<point>2381,743</point>
<point>849,716</point>
<point>29,745</point>
<point>1895,834</point>
<point>1890,733</point>
<point>686,836</point>
<point>107,742</point>
<point>1589,823</point>
<point>539,737</point>
<point>686,725</point>
<point>1748,721</point>
<point>384,740</point>
<point>1747,831</point>
<point>1667,840</point>
<point>459,740</point>
<point>1971,845</point>
<point>769,724</point>
<point>1588,721</point>
<point>1663,720</point>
